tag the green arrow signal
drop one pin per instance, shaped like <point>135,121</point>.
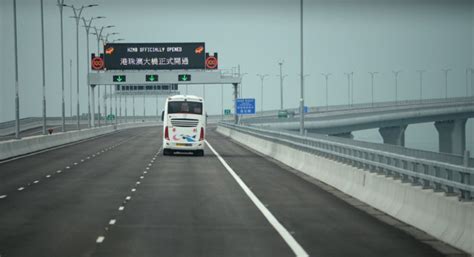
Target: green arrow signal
<point>184,77</point>
<point>152,78</point>
<point>119,78</point>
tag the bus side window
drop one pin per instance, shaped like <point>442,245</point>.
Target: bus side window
<point>163,115</point>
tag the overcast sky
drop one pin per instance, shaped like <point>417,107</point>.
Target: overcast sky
<point>339,36</point>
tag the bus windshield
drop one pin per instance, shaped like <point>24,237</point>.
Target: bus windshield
<point>184,107</point>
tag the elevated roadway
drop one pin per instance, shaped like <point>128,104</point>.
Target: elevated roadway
<point>449,116</point>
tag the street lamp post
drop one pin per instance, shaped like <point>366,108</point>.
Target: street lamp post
<point>467,81</point>
<point>352,88</point>
<point>99,114</point>
<point>372,75</point>
<point>87,26</point>
<point>43,69</point>
<point>70,88</point>
<point>77,16</point>
<point>301,71</point>
<point>420,72</point>
<point>111,103</point>
<point>446,71</point>
<point>472,83</point>
<point>126,108</point>
<point>326,76</point>
<point>105,104</point>
<point>60,4</point>
<point>396,73</point>
<point>157,109</point>
<point>17,89</point>
<point>281,83</point>
<point>120,103</point>
<point>349,75</point>
<point>262,78</point>
<point>116,104</point>
<point>222,101</point>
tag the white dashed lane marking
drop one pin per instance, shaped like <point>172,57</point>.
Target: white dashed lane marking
<point>3,196</point>
<point>100,239</point>
<point>74,164</point>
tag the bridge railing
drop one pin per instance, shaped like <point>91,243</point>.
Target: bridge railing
<point>453,180</point>
<point>271,115</point>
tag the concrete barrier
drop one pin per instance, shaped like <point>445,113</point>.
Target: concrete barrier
<point>445,218</point>
<point>13,148</point>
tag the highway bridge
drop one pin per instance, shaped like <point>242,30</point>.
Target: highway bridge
<point>83,172</point>
<point>116,195</point>
<point>448,115</point>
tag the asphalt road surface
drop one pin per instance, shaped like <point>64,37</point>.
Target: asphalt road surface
<point>118,196</point>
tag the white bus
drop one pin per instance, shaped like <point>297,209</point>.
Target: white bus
<point>184,125</point>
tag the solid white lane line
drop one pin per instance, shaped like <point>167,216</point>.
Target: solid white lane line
<point>289,239</point>
<point>21,188</point>
<point>100,239</point>
<point>112,222</point>
<point>3,196</point>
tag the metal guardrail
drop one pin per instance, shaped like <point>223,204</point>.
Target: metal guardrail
<point>453,180</point>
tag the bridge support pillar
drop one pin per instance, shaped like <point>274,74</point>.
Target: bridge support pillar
<point>344,135</point>
<point>452,136</point>
<point>393,135</point>
<point>93,106</point>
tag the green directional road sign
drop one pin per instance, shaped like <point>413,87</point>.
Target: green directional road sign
<point>151,78</point>
<point>184,77</point>
<point>227,111</point>
<point>119,78</point>
<point>110,117</point>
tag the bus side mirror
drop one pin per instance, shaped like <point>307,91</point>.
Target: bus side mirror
<point>162,115</point>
